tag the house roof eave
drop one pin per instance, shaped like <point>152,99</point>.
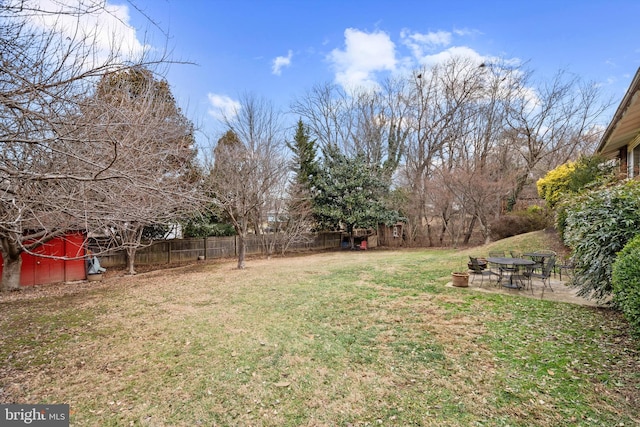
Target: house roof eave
<point>607,145</point>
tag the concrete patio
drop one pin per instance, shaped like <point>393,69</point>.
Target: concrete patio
<point>561,290</point>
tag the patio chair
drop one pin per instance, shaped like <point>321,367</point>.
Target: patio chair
<point>567,265</point>
<point>527,274</point>
<point>545,275</point>
<point>540,256</point>
<point>494,269</point>
<point>476,268</point>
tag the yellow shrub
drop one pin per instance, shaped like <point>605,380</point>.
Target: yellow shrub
<point>555,183</point>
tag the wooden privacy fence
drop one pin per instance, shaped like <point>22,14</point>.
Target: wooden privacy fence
<point>188,250</point>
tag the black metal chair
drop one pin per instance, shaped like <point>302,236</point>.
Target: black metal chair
<point>567,264</point>
<point>477,268</point>
<point>527,274</point>
<point>545,275</point>
<point>540,256</point>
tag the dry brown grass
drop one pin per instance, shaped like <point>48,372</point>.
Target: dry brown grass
<point>336,338</point>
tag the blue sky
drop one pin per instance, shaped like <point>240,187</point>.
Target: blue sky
<point>279,49</point>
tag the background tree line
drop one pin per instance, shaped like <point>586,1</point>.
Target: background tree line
<point>447,149</point>
<point>459,142</point>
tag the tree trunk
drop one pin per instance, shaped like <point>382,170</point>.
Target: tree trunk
<point>521,182</point>
<point>131,258</point>
<point>269,241</point>
<point>131,240</point>
<point>242,250</point>
<point>11,272</point>
<point>12,267</point>
<point>429,234</point>
<point>486,232</point>
<point>443,229</point>
<point>467,235</point>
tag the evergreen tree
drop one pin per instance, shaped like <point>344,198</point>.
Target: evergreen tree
<point>304,166</point>
<point>304,163</point>
<point>346,194</point>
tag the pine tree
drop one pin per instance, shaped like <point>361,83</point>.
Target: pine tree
<point>304,163</point>
<point>304,166</point>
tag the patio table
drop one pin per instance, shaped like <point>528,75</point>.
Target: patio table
<point>511,262</point>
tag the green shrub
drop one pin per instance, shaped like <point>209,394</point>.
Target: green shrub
<point>561,217</point>
<point>598,225</point>
<point>625,279</point>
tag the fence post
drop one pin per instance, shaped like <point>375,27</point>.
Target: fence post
<point>169,252</point>
<point>206,247</point>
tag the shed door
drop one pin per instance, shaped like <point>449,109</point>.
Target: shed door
<point>74,269</point>
<point>48,270</point>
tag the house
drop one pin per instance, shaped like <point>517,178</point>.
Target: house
<point>60,261</point>
<point>621,140</point>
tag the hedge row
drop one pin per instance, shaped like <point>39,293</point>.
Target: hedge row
<point>601,228</point>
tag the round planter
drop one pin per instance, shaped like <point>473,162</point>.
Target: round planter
<point>460,280</point>
<point>94,277</point>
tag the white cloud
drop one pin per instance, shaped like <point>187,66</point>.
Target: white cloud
<point>222,106</point>
<point>466,32</point>
<point>363,56</point>
<point>437,47</point>
<point>281,62</point>
<point>106,28</point>
<point>366,55</point>
<point>420,43</point>
<point>452,52</point>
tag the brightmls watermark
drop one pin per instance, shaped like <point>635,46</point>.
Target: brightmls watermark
<point>34,415</point>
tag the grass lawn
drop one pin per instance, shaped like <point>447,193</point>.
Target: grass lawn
<point>328,339</point>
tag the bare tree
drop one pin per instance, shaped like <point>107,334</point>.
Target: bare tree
<point>284,219</point>
<point>248,167</point>
<point>271,214</point>
<point>439,96</point>
<point>551,122</point>
<point>325,110</point>
<point>486,126</point>
<point>361,122</point>
<point>380,127</point>
<point>46,73</point>
<point>299,223</point>
<point>482,168</point>
<point>150,157</point>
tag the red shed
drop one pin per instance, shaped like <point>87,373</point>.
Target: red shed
<point>41,271</point>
